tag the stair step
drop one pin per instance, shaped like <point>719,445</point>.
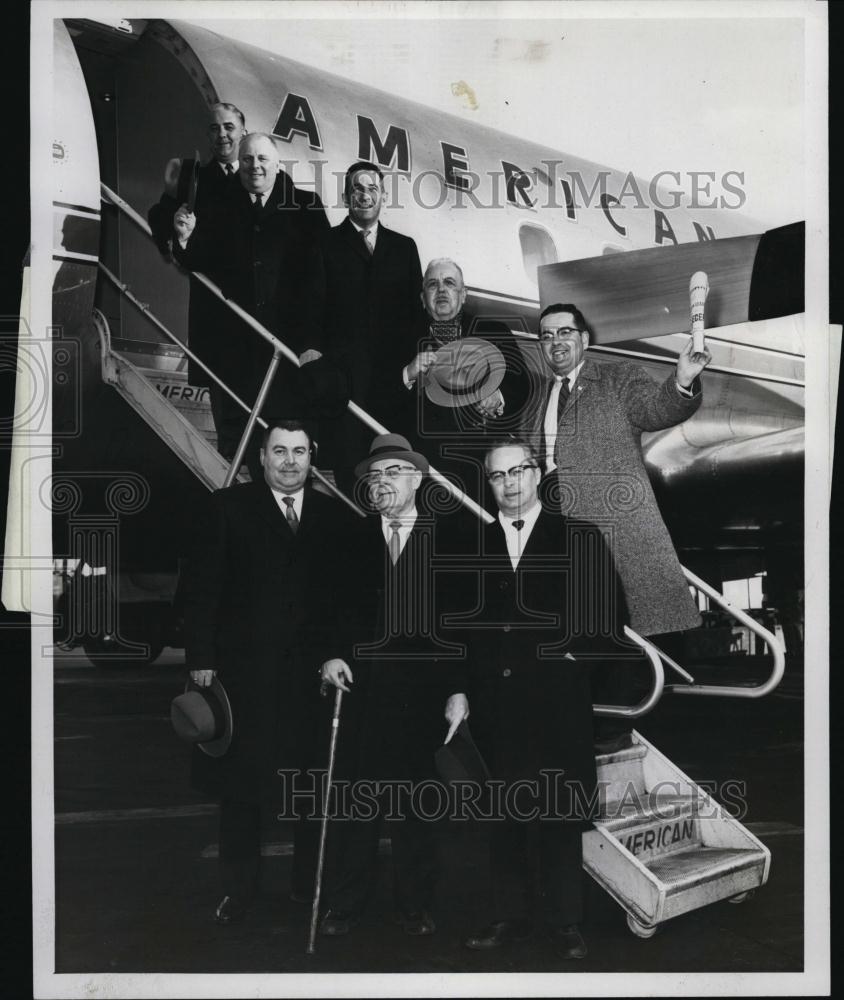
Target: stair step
<point>622,772</point>
<point>628,813</point>
<point>697,865</point>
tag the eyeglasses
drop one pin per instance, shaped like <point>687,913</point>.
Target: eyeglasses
<point>516,473</point>
<point>563,333</point>
<point>391,472</point>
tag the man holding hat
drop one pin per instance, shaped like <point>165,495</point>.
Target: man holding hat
<point>260,600</point>
<point>395,669</point>
<point>467,379</point>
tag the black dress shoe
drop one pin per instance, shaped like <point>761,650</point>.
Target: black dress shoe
<point>501,933</point>
<point>230,910</point>
<point>416,922</point>
<point>335,923</point>
<point>568,942</point>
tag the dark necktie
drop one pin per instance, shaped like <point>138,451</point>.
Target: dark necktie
<point>518,525</point>
<point>395,542</point>
<point>258,207</point>
<point>366,234</point>
<point>229,170</point>
<point>563,398</point>
<point>290,514</point>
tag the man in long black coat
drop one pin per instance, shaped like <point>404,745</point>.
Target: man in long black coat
<point>259,609</point>
<point>398,666</point>
<point>371,316</point>
<point>552,607</point>
<point>216,181</point>
<point>261,247</point>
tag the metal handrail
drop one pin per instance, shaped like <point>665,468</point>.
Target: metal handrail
<point>125,290</point>
<point>647,703</point>
<point>774,645</point>
<point>279,348</point>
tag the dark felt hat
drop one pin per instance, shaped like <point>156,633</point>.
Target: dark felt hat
<point>460,759</point>
<point>203,716</point>
<point>391,446</point>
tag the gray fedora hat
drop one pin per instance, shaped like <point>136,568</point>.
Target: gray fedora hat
<point>203,716</point>
<point>464,371</point>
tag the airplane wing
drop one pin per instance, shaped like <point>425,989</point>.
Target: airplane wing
<point>645,293</point>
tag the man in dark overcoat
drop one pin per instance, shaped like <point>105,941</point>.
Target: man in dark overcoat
<point>260,606</point>
<point>454,437</point>
<point>552,607</point>
<point>261,247</point>
<point>371,316</point>
<point>396,670</point>
<point>216,181</point>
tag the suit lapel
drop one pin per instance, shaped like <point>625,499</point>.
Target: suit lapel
<point>355,240</point>
<point>589,375</point>
<point>270,511</point>
<point>382,244</point>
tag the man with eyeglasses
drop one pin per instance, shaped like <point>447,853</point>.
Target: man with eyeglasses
<point>552,608</point>
<point>394,667</point>
<point>587,423</point>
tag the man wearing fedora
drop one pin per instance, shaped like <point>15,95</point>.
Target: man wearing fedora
<point>466,381</point>
<point>370,315</point>
<point>395,667</point>
<point>259,602</point>
<point>552,607</point>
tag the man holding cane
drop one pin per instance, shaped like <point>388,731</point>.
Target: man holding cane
<point>260,601</point>
<point>393,716</point>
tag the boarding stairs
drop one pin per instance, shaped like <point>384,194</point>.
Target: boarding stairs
<point>662,846</point>
<point>155,386</point>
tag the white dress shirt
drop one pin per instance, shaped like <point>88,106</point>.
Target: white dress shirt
<point>225,166</point>
<point>517,538</point>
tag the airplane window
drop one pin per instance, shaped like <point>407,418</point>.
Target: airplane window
<point>537,248</point>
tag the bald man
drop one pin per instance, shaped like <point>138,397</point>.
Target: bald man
<point>260,247</point>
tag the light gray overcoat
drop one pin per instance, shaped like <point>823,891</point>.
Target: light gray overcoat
<point>601,477</point>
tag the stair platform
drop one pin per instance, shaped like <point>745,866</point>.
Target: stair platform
<point>662,846</point>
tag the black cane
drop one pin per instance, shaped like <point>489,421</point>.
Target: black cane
<point>332,751</point>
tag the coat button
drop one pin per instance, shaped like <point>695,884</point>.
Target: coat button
<point>506,672</point>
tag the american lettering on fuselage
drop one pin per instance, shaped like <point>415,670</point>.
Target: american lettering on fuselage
<point>508,183</point>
